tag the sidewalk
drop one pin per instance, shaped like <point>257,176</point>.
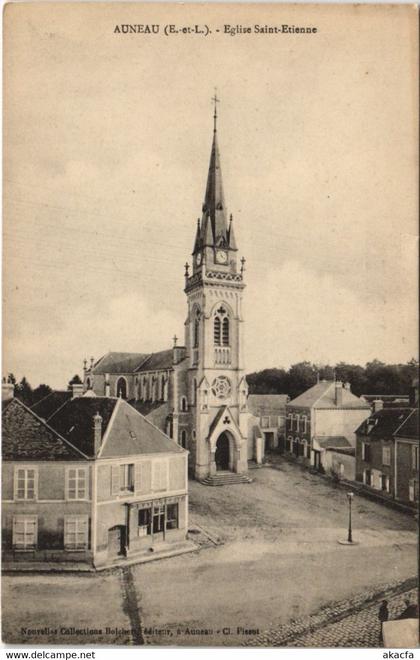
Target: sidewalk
<point>165,552</point>
<point>349,623</point>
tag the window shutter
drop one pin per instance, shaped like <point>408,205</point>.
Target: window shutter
<point>137,477</point>
<point>115,479</point>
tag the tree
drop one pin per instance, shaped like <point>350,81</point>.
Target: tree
<point>74,381</point>
<point>40,392</point>
<point>23,392</point>
<point>301,377</point>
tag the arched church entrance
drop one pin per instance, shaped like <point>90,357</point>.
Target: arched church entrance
<point>222,454</point>
<point>122,388</point>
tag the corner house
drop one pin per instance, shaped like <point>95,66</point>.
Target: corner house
<point>94,482</point>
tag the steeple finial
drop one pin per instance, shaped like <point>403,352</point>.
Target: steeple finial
<point>216,101</point>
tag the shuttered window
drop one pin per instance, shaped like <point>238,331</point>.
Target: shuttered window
<point>25,532</point>
<point>76,532</point>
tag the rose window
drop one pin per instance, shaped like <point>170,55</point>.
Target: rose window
<point>221,387</point>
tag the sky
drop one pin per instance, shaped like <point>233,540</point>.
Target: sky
<point>107,140</point>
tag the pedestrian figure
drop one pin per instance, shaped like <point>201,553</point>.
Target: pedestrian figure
<point>383,615</point>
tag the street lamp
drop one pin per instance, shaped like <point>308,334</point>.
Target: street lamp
<point>350,497</point>
<point>349,541</point>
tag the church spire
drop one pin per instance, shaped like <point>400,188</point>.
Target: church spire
<point>214,227</point>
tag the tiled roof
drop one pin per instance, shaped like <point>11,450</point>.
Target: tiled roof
<point>384,423</point>
<point>322,395</point>
<point>74,421</point>
<point>51,403</point>
<point>127,363</point>
<point>267,404</point>
<point>26,437</point>
<point>132,434</point>
<point>410,428</point>
<point>332,441</point>
<point>160,360</point>
<point>119,363</point>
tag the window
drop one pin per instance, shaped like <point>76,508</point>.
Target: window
<point>225,332</point>
<point>289,442</point>
<point>183,438</point>
<point>76,532</point>
<point>197,329</point>
<point>385,482</point>
<point>172,516</point>
<point>365,452</point>
<point>25,532</point>
<point>145,522</point>
<point>290,422</point>
<point>367,477</point>
<point>415,457</point>
<point>160,475</point>
<point>183,404</point>
<point>127,477</point>
<point>217,332</point>
<point>304,423</point>
<point>221,327</point>
<point>386,455</point>
<point>76,484</point>
<point>297,417</point>
<point>158,518</point>
<point>26,483</point>
<point>265,422</point>
<point>308,450</point>
<point>413,490</point>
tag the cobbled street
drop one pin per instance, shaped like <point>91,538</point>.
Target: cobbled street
<point>276,575</point>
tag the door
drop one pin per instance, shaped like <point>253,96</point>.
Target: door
<point>116,541</point>
<point>222,453</point>
<point>317,460</point>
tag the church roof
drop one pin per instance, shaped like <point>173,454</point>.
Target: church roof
<point>125,363</point>
<point>119,363</point>
<point>26,437</point>
<point>160,360</point>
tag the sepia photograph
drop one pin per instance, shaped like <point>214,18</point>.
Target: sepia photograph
<point>210,430</point>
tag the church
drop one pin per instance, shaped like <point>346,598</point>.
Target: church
<point>197,392</point>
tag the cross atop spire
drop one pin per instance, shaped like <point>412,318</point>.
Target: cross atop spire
<point>216,101</point>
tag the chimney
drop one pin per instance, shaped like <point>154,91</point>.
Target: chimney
<point>97,432</point>
<point>338,393</point>
<point>179,352</point>
<point>7,390</point>
<point>377,405</point>
<point>77,390</point>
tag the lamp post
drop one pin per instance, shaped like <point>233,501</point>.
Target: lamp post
<point>349,540</point>
<point>350,497</point>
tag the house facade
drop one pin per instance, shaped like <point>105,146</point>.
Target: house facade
<point>321,420</point>
<point>197,392</point>
<point>406,460</point>
<point>268,419</point>
<point>381,459</point>
<point>96,482</point>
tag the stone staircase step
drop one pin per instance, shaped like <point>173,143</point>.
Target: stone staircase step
<point>226,479</point>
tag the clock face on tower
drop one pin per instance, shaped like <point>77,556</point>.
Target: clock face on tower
<point>221,256</point>
<point>198,259</point>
